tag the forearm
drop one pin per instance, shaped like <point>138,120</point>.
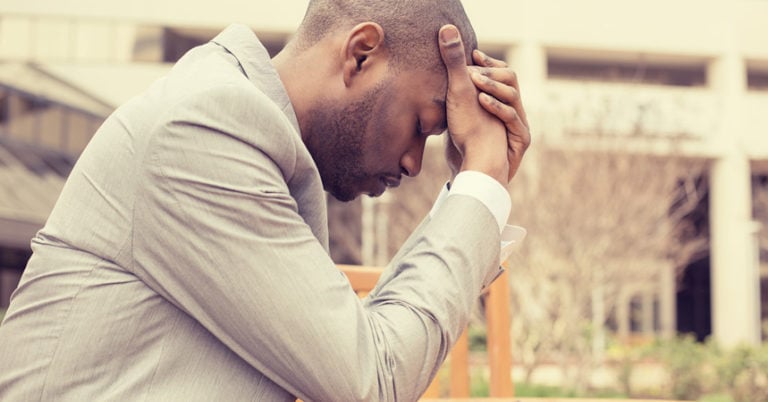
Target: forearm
<point>436,283</point>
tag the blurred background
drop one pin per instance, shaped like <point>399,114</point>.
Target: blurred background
<point>645,193</point>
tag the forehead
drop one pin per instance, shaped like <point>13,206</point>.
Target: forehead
<point>425,85</point>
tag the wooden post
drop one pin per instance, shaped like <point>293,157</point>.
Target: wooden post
<point>460,367</point>
<point>433,391</point>
<point>499,349</point>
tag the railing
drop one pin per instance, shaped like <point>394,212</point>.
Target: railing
<point>363,280</point>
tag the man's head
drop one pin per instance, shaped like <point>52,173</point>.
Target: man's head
<point>410,26</point>
<point>368,85</point>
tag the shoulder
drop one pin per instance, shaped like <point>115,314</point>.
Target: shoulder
<point>216,99</point>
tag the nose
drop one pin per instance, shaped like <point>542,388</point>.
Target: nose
<point>412,159</point>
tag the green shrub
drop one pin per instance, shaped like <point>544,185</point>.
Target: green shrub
<point>686,363</point>
<point>479,385</point>
<point>748,371</point>
<point>708,372</point>
<point>716,398</point>
<point>541,391</point>
<point>477,338</point>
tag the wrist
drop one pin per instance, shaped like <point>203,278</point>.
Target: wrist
<point>497,168</point>
<point>486,153</point>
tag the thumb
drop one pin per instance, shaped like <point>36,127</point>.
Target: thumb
<point>452,52</point>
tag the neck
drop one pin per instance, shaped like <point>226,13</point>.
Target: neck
<point>304,79</point>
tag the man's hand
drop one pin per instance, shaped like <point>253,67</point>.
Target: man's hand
<point>479,136</point>
<point>501,96</point>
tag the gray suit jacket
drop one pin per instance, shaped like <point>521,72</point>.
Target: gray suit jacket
<point>187,260</point>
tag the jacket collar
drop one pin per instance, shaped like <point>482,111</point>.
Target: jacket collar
<point>241,42</point>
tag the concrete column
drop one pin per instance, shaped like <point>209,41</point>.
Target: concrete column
<point>368,225</point>
<point>529,60</point>
<point>734,268</point>
<point>647,299</point>
<point>667,302</point>
<point>622,314</point>
<point>382,229</point>
<point>103,41</point>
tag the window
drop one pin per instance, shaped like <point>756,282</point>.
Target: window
<point>672,74</point>
<point>177,41</point>
<point>757,80</point>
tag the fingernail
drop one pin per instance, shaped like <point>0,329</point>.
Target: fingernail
<point>449,35</point>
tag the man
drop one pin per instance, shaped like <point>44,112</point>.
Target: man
<point>186,258</point>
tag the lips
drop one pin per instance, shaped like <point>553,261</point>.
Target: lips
<point>391,181</point>
<point>383,183</point>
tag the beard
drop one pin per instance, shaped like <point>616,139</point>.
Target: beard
<point>335,137</point>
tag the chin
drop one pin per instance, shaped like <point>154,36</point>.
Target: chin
<point>346,198</point>
<point>343,196</point>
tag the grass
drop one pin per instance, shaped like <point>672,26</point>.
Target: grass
<point>479,388</point>
<point>716,398</point>
<point>548,391</point>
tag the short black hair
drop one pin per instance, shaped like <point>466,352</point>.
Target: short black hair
<point>410,26</point>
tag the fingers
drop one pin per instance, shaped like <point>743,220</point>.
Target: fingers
<point>501,84</point>
<point>505,75</point>
<point>478,139</point>
<point>518,132</point>
<point>498,89</point>
<point>452,52</point>
<point>484,60</point>
<point>506,113</point>
<point>500,96</point>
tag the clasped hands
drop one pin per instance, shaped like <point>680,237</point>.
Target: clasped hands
<point>487,126</point>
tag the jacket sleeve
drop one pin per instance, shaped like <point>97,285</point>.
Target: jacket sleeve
<point>221,238</point>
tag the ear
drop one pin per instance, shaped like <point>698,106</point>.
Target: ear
<point>363,50</point>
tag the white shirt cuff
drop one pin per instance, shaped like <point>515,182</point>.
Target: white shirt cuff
<point>496,198</point>
<point>486,190</point>
<point>511,235</point>
<point>510,238</point>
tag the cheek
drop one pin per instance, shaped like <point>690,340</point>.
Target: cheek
<point>392,140</point>
<point>395,126</point>
<point>390,132</point>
